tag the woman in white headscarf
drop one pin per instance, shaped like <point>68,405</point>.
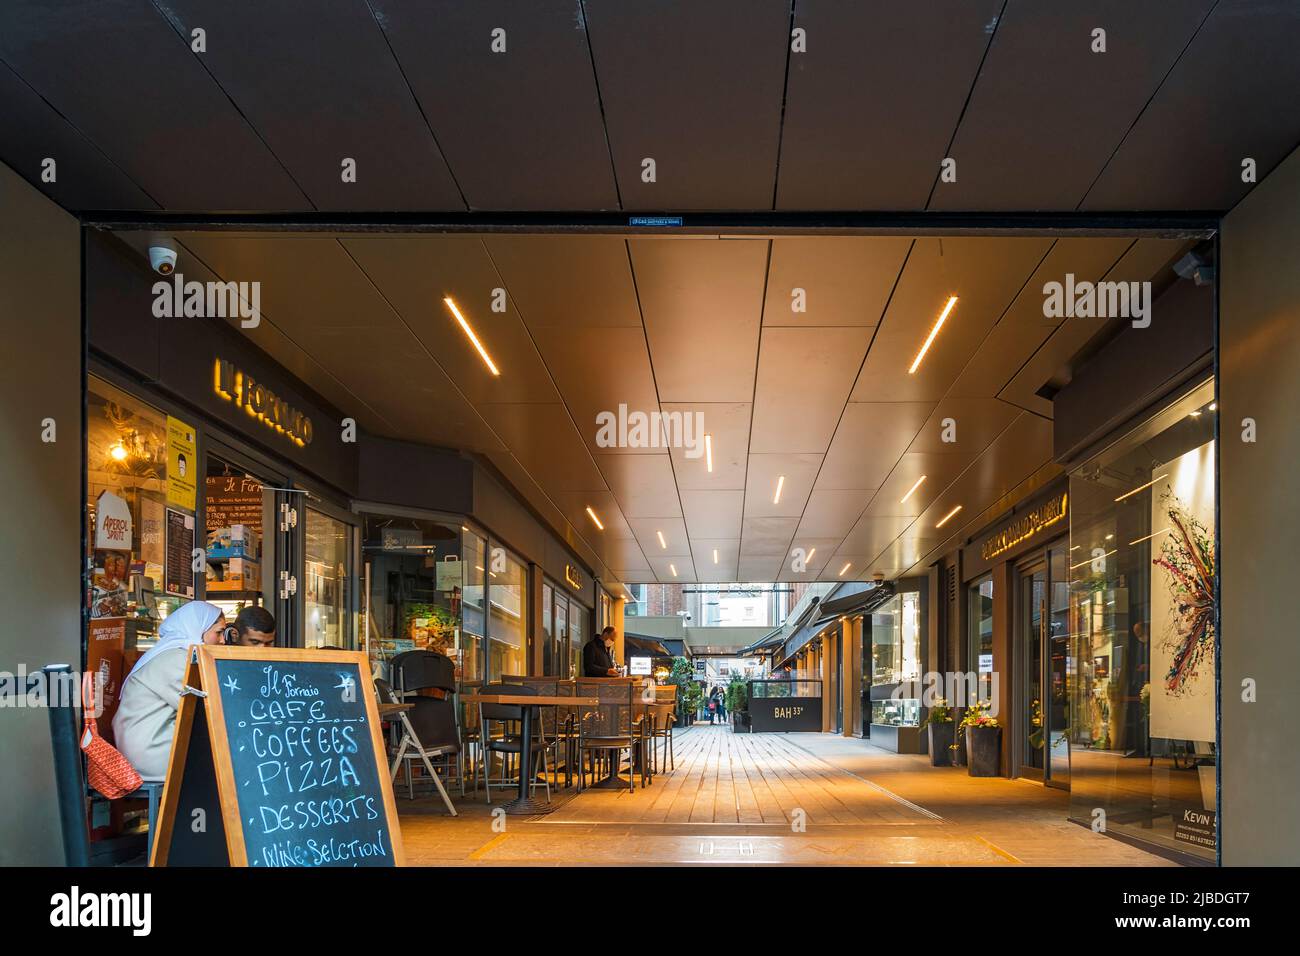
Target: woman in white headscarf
<point>146,715</point>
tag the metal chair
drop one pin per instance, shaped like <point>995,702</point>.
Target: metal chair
<point>428,680</point>
<point>507,744</point>
<point>610,727</point>
<point>436,723</point>
<point>661,726</point>
<point>550,720</point>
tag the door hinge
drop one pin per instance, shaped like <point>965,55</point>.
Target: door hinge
<point>288,585</point>
<point>288,517</point>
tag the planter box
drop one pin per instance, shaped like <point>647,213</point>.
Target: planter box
<point>740,722</point>
<point>983,750</point>
<point>941,737</point>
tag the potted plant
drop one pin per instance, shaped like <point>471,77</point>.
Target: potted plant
<point>693,702</point>
<point>940,728</point>
<point>738,705</point>
<point>983,740</point>
<point>683,675</point>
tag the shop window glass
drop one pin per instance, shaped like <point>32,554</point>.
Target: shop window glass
<point>413,569</point>
<point>507,615</point>
<point>980,618</point>
<point>1142,618</point>
<point>326,600</point>
<point>239,555</point>
<point>548,631</point>
<point>562,633</point>
<point>473,609</point>
<point>580,632</point>
<point>132,586</point>
<point>896,656</point>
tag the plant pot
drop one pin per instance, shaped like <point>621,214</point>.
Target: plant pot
<point>739,722</point>
<point>941,737</point>
<point>983,751</point>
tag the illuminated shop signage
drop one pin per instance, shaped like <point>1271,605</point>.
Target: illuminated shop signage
<point>1025,527</point>
<point>573,577</point>
<point>235,385</point>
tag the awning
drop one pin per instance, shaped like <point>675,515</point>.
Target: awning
<point>644,645</point>
<point>860,599</point>
<point>855,598</point>
<point>771,639</point>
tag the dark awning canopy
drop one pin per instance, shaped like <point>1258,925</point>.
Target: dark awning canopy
<point>644,645</point>
<point>852,598</point>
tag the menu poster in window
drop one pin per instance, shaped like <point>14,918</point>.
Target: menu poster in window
<point>233,500</point>
<point>178,575</point>
<point>105,649</point>
<point>152,528</point>
<point>182,464</point>
<point>108,584</point>
<point>1183,598</point>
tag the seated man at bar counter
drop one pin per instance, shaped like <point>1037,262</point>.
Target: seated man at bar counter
<point>597,655</point>
<point>254,627</point>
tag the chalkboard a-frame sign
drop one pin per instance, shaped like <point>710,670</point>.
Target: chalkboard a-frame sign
<point>277,760</point>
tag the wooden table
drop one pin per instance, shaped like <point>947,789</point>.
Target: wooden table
<point>524,803</point>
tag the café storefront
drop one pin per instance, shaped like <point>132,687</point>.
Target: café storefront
<point>215,474</point>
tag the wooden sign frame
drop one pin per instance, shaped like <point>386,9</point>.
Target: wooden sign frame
<point>201,674</point>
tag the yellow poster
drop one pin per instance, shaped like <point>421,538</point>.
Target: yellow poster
<point>182,464</point>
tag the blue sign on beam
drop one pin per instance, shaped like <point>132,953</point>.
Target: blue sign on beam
<point>655,221</point>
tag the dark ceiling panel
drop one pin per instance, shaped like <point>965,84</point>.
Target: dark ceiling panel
<point>1231,96</point>
<point>872,105</point>
<point>84,177</point>
<point>695,85</point>
<point>285,76</point>
<point>522,128</point>
<point>1047,112</point>
<point>121,74</point>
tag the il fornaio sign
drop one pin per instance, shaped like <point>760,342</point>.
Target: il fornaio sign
<point>237,386</point>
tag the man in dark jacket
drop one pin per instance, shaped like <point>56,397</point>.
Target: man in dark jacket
<point>597,660</point>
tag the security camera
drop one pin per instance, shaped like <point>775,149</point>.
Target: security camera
<point>162,259</point>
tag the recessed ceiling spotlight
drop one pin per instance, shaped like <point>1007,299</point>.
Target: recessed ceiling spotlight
<point>487,359</point>
<point>912,489</point>
<point>592,514</point>
<point>1214,406</point>
<point>943,317</point>
<point>946,518</point>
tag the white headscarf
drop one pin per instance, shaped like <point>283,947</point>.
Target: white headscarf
<point>183,627</point>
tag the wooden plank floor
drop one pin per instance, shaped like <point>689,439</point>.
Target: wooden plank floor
<point>727,778</point>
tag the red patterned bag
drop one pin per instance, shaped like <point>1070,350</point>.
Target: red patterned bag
<point>107,771</point>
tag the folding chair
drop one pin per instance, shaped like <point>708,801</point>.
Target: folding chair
<point>410,748</point>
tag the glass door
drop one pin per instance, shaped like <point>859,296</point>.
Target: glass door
<point>328,599</point>
<point>1031,636</point>
<point>1060,671</point>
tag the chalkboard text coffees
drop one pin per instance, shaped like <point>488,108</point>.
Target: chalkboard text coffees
<point>277,761</point>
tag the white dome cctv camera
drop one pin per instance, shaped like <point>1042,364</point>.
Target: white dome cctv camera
<point>162,259</point>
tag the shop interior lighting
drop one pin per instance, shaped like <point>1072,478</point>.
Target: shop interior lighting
<point>911,490</point>
<point>946,518</point>
<point>943,317</point>
<point>1129,494</point>
<point>1150,536</point>
<point>593,517</point>
<point>487,359</point>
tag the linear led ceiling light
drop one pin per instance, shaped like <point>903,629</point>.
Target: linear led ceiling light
<point>780,483</point>
<point>708,452</point>
<point>911,490</point>
<point>944,520</point>
<point>594,518</point>
<point>1129,494</point>
<point>943,317</point>
<point>487,359</point>
<point>662,543</point>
